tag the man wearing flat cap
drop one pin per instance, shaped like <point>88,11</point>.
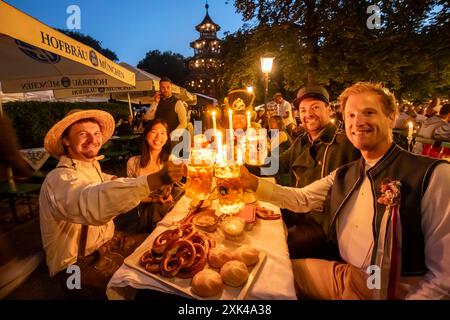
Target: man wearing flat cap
<point>313,155</point>
<point>78,202</point>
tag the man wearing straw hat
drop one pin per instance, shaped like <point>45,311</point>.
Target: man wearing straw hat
<point>78,203</point>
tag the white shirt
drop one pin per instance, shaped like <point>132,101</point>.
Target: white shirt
<point>435,284</point>
<point>70,197</point>
<point>285,109</point>
<point>354,225</point>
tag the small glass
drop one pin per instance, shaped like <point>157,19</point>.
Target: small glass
<point>200,173</point>
<point>256,147</point>
<point>229,188</point>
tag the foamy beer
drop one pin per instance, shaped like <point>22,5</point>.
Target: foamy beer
<point>200,173</point>
<point>256,147</point>
<point>228,180</point>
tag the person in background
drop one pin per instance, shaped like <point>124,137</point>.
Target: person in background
<point>284,110</point>
<point>10,156</point>
<point>167,107</point>
<point>78,202</point>
<point>430,125</point>
<point>388,211</point>
<point>261,118</point>
<point>155,152</point>
<point>277,134</point>
<point>124,127</point>
<point>443,132</point>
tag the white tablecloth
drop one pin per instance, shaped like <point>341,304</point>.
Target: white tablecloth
<point>35,157</point>
<point>275,280</point>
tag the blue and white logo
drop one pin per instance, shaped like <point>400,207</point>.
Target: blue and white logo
<point>37,53</point>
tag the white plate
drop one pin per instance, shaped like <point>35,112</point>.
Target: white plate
<point>183,286</point>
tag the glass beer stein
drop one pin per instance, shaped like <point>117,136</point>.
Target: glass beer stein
<point>229,188</point>
<point>256,147</point>
<point>200,173</point>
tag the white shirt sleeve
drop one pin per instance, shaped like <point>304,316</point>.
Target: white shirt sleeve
<point>150,114</point>
<point>436,231</point>
<point>295,199</point>
<point>107,176</point>
<point>79,201</point>
<point>182,117</point>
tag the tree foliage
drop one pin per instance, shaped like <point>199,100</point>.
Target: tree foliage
<point>166,64</point>
<point>330,42</point>
<point>89,41</point>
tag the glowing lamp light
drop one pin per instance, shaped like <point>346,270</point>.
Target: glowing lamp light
<point>266,64</point>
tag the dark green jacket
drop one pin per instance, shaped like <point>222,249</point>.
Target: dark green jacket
<point>307,161</point>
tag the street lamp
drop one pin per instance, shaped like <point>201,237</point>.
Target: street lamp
<point>266,68</point>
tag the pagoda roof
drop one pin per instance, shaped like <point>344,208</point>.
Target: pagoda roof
<point>207,20</point>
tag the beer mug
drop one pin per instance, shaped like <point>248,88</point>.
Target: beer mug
<point>256,147</point>
<point>229,188</point>
<point>200,173</point>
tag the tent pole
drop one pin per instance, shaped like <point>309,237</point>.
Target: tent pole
<point>9,172</point>
<point>129,105</point>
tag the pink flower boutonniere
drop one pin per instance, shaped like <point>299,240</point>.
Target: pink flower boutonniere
<point>389,242</point>
<point>390,192</point>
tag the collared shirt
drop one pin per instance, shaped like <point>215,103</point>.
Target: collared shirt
<point>435,284</point>
<point>77,193</point>
<point>354,224</point>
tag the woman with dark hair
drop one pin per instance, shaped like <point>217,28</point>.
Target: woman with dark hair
<point>155,151</point>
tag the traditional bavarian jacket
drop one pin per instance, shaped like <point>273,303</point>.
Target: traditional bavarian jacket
<point>424,212</point>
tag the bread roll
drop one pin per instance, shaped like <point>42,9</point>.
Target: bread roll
<point>207,283</point>
<point>218,256</point>
<point>234,273</point>
<point>247,255</point>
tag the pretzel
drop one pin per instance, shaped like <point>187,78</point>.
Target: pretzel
<point>165,239</point>
<point>150,262</point>
<point>179,254</point>
<point>199,263</point>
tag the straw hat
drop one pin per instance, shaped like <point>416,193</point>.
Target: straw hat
<point>53,138</point>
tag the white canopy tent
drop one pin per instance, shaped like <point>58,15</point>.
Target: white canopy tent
<point>142,93</point>
<point>35,57</point>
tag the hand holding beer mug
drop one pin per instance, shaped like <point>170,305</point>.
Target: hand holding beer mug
<point>200,171</point>
<point>228,180</point>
